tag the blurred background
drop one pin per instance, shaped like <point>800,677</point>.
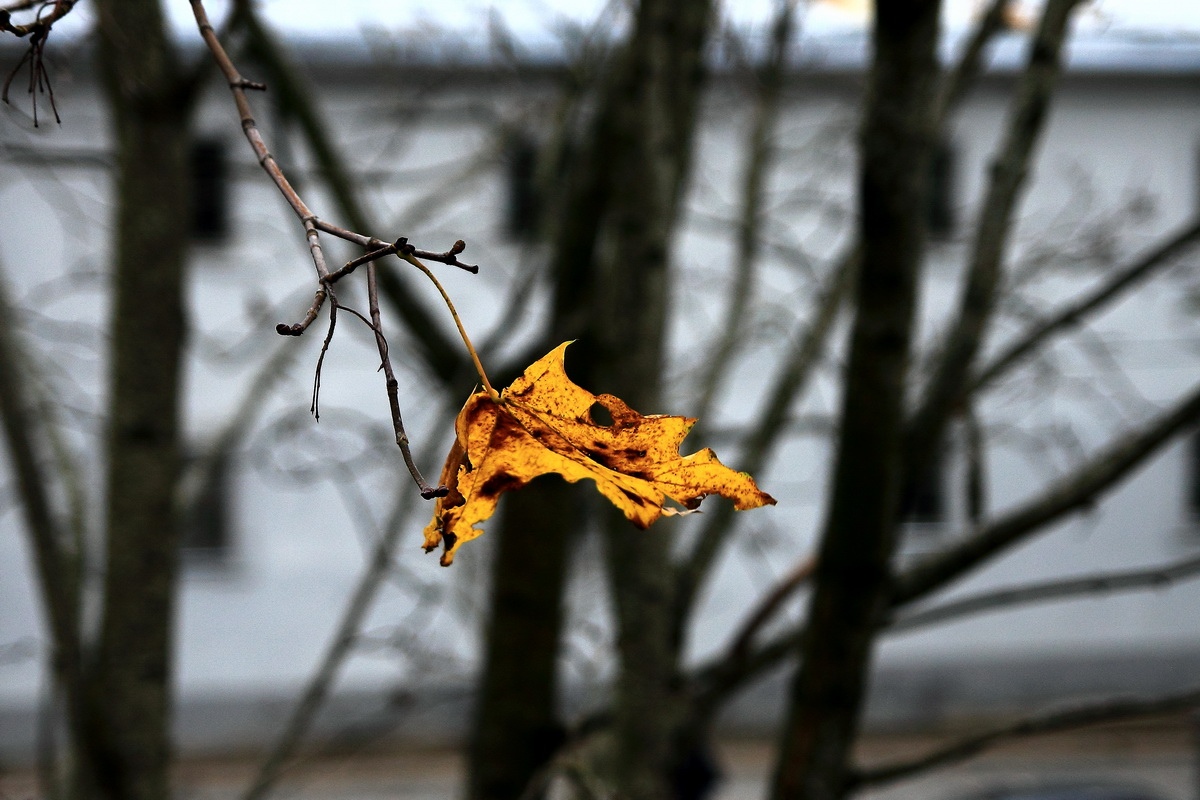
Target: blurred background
<point>206,588</point>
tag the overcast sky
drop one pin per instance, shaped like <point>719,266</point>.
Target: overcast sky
<point>535,16</point>
<point>531,18</point>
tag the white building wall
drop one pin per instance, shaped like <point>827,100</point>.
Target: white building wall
<point>255,625</point>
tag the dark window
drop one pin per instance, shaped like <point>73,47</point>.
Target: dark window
<point>210,191</point>
<point>205,512</point>
<point>1193,475</point>
<point>523,212</point>
<point>923,500</point>
<point>939,209</point>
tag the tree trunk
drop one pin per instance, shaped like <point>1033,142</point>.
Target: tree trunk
<point>130,679</point>
<point>655,108</point>
<point>853,573</point>
<point>517,726</point>
<point>609,264</point>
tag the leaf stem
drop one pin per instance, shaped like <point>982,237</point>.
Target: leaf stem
<point>487,385</point>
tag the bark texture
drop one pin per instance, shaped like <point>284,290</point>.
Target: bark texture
<point>609,265</point>
<point>517,726</point>
<point>130,680</point>
<point>851,583</point>
<point>653,124</point>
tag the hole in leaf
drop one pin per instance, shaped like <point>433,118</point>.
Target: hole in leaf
<point>600,415</point>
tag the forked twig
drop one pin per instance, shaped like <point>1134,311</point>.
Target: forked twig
<point>376,249</point>
<point>38,32</point>
<point>393,389</point>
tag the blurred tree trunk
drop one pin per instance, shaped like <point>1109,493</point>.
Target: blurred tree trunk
<point>852,580</point>
<point>609,267</point>
<point>655,104</point>
<point>129,678</point>
<point>517,728</point>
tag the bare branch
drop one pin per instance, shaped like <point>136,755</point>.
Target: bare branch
<point>1149,264</point>
<point>1009,170</point>
<point>393,391</point>
<point>958,82</point>
<point>42,24</point>
<point>56,565</point>
<point>760,154</point>
<point>770,604</point>
<point>38,32</point>
<point>717,679</point>
<point>712,683</point>
<point>238,86</point>
<point>760,442</point>
<point>336,652</point>
<point>441,356</point>
<point>1157,577</point>
<point>1081,489</point>
<point>1079,716</point>
<point>376,248</point>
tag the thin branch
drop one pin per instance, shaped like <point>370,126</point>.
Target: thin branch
<point>1081,489</point>
<point>440,355</point>
<point>713,682</point>
<point>42,24</point>
<point>393,391</point>
<point>1063,719</point>
<point>315,407</point>
<point>238,86</point>
<point>770,604</point>
<point>55,545</point>
<point>956,85</point>
<point>38,32</point>
<point>1009,170</point>
<point>760,156</point>
<point>57,576</point>
<point>760,443</point>
<point>1157,577</point>
<point>1114,288</point>
<point>336,652</point>
<point>376,248</point>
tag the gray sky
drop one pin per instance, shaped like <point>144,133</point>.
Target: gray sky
<point>531,17</point>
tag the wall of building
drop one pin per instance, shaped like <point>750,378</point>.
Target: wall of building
<point>1117,170</point>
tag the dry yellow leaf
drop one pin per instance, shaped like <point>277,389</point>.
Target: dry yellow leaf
<point>543,424</point>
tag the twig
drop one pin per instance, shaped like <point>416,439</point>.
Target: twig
<point>38,32</point>
<point>393,391</point>
<point>492,393</point>
<point>315,407</point>
<point>376,248</point>
<point>401,245</point>
<point>1140,270</point>
<point>441,356</point>
<point>336,652</point>
<point>770,604</point>
<point>714,681</point>
<point>1009,172</point>
<point>58,10</point>
<point>760,151</point>
<point>1002,599</point>
<point>1111,710</point>
<point>238,86</point>
<point>1081,489</point>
